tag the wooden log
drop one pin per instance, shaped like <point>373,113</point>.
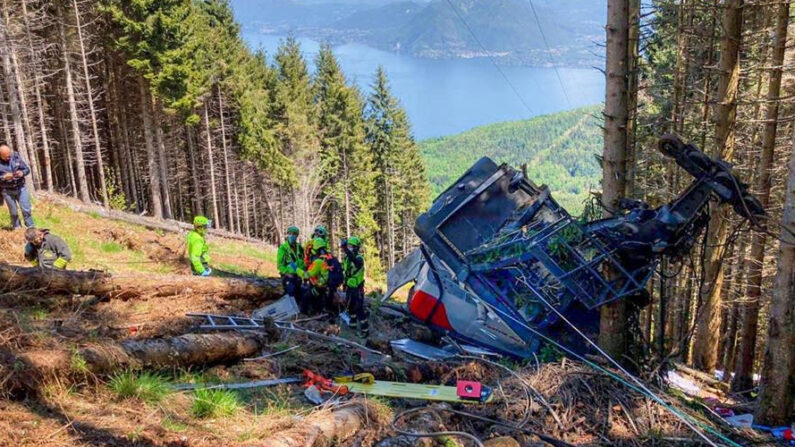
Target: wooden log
<point>322,428</point>
<point>126,286</point>
<point>157,353</point>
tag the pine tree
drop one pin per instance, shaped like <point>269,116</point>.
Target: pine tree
<point>295,118</point>
<point>395,155</point>
<point>345,159</point>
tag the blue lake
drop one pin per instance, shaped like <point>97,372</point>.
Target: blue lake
<point>444,97</point>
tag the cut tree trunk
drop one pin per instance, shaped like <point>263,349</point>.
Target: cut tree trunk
<point>104,285</point>
<point>323,428</point>
<point>157,353</point>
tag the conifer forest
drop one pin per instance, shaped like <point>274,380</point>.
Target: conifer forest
<point>136,116</point>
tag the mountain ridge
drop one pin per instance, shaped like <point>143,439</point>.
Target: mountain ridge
<point>505,30</point>
<point>558,149</point>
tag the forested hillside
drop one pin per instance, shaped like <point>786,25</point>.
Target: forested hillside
<point>559,150</point>
<point>158,107</point>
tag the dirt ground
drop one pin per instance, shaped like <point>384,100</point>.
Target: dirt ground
<point>562,399</point>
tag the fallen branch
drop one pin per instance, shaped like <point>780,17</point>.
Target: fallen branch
<point>106,285</point>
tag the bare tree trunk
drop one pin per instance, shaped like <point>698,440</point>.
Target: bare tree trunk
<point>246,226</point>
<point>705,348</point>
<point>162,160</point>
<point>633,73</point>
<point>229,212</point>
<point>194,178</point>
<point>76,137</point>
<point>117,144</point>
<point>125,140</point>
<point>212,168</point>
<point>743,372</point>
<point>29,152</point>
<point>4,113</point>
<point>92,111</point>
<point>612,327</point>
<point>167,352</point>
<point>105,285</point>
<point>11,89</point>
<point>777,396</point>
<point>154,173</point>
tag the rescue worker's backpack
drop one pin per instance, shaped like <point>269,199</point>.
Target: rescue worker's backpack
<point>335,277</point>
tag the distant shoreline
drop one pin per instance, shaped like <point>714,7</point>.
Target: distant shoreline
<point>536,58</point>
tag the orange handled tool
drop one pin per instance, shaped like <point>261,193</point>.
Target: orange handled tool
<point>323,383</point>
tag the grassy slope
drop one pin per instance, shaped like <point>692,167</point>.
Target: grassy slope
<point>117,247</point>
<point>558,149</point>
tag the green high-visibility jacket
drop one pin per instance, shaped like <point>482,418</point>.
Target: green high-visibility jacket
<point>198,251</point>
<point>353,269</point>
<point>287,255</point>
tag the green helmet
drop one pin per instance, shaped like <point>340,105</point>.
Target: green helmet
<point>293,230</point>
<point>355,241</point>
<point>201,221</point>
<point>321,231</point>
<point>319,243</point>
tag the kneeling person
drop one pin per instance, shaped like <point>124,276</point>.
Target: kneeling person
<point>353,270</point>
<point>46,250</point>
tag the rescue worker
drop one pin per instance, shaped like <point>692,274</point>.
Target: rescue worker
<point>198,251</point>
<point>319,232</point>
<point>317,276</point>
<point>12,186</point>
<point>353,271</point>
<point>46,250</point>
<point>291,264</point>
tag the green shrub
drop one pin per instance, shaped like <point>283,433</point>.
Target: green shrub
<point>148,387</point>
<point>209,403</point>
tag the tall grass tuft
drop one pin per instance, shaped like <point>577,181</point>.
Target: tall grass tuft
<point>209,403</point>
<point>148,387</point>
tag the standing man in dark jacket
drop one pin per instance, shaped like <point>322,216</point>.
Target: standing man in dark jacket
<point>12,186</point>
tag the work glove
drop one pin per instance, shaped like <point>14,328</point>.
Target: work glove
<point>292,266</point>
<point>207,272</point>
<point>60,263</point>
